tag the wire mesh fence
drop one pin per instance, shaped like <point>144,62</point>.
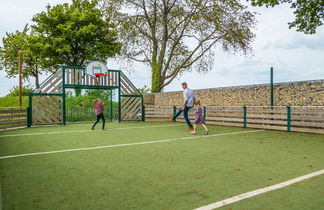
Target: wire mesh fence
<point>77,114</point>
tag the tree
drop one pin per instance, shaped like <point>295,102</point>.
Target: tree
<point>30,48</point>
<point>76,33</point>
<point>103,94</point>
<point>309,13</point>
<point>144,89</point>
<point>15,91</point>
<point>173,36</point>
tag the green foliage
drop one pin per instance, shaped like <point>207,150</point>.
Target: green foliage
<point>31,50</point>
<point>77,91</point>
<point>172,37</point>
<point>25,90</point>
<point>13,101</point>
<point>144,89</point>
<point>87,100</point>
<point>309,13</point>
<point>103,94</point>
<point>80,101</point>
<point>76,33</point>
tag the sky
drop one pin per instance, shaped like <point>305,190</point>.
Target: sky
<point>294,56</point>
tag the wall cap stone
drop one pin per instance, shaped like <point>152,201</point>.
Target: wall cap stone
<point>244,86</point>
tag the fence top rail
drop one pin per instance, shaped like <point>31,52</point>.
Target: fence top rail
<point>13,107</point>
<point>248,106</point>
<point>265,106</point>
<point>224,106</point>
<point>307,106</point>
<point>159,105</point>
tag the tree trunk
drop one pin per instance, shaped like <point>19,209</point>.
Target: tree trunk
<point>36,75</point>
<point>37,80</point>
<point>156,78</point>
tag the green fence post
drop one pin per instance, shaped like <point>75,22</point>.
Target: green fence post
<point>244,116</point>
<point>174,112</point>
<point>143,113</point>
<point>271,87</point>
<point>119,98</point>
<point>29,116</point>
<point>30,113</point>
<point>204,113</point>
<point>111,107</point>
<point>63,94</point>
<point>288,118</point>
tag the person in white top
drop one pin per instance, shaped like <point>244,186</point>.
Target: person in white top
<point>189,99</point>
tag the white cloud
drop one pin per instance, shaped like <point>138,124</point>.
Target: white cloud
<point>14,14</point>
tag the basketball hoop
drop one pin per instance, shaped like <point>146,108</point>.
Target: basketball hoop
<point>96,69</point>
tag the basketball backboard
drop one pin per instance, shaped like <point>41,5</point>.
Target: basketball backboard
<point>94,67</point>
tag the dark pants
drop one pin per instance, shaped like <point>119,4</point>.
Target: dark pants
<point>100,116</point>
<point>185,114</point>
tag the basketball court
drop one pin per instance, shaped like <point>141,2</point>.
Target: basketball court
<point>156,165</point>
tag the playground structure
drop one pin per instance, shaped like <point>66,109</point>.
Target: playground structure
<point>47,103</point>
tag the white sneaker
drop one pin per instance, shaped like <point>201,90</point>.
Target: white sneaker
<point>193,132</point>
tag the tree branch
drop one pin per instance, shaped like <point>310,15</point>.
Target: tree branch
<point>177,69</point>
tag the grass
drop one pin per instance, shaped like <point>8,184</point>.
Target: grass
<point>168,175</point>
<point>13,101</point>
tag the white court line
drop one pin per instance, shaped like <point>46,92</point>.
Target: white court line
<point>80,131</point>
<point>123,145</point>
<point>258,192</point>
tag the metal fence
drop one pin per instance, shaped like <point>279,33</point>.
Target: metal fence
<point>89,114</point>
<point>289,118</point>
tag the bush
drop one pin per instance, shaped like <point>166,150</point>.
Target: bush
<point>13,101</point>
<point>15,91</point>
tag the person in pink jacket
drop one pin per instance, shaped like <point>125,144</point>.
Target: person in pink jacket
<point>100,115</point>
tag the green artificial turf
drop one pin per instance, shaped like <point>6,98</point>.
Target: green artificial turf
<point>307,194</point>
<point>181,174</point>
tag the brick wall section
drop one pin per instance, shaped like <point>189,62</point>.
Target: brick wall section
<point>303,93</point>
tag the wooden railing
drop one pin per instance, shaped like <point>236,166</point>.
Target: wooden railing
<point>158,113</point>
<point>289,118</point>
<point>12,117</point>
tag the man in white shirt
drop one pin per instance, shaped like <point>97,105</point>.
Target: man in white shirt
<point>189,98</point>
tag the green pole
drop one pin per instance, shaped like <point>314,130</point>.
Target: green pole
<point>63,84</point>
<point>143,109</point>
<point>29,116</point>
<point>244,116</point>
<point>288,118</point>
<point>204,113</point>
<point>119,98</point>
<point>111,105</point>
<point>174,112</point>
<point>30,112</point>
<point>271,87</point>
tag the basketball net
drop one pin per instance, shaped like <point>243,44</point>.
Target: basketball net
<point>98,75</point>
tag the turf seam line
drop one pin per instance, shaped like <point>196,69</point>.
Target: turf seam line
<point>128,144</point>
<point>80,131</point>
<point>259,191</point>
